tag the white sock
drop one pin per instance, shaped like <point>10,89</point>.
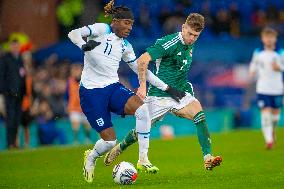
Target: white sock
<point>143,147</point>
<point>207,156</point>
<point>100,148</point>
<point>267,126</point>
<point>143,126</point>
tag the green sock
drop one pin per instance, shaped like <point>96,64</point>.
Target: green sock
<point>129,139</point>
<point>202,133</point>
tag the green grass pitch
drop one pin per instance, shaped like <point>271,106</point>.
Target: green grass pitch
<point>246,164</point>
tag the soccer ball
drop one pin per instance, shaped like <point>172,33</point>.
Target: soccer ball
<point>124,173</point>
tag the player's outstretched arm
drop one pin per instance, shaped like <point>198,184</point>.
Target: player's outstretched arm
<point>142,62</point>
<point>76,37</point>
<point>253,66</point>
<point>154,80</point>
<point>157,82</point>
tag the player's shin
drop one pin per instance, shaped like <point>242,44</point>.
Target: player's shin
<point>143,126</point>
<point>202,133</point>
<point>276,118</point>
<point>204,140</point>
<point>129,139</point>
<point>267,127</point>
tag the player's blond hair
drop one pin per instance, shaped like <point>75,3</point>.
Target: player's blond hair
<point>195,21</point>
<point>268,30</point>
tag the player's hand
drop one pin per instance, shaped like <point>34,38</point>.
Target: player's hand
<point>90,45</point>
<point>141,91</point>
<point>276,67</point>
<point>176,94</point>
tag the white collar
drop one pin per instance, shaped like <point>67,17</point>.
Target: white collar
<point>113,36</point>
<point>180,36</point>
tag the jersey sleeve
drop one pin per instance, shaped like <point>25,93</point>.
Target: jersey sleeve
<point>88,31</point>
<point>280,62</point>
<point>128,55</point>
<point>253,63</point>
<point>159,49</point>
<point>95,30</point>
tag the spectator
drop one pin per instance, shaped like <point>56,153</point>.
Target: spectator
<point>26,117</point>
<point>235,19</point>
<point>145,19</point>
<point>12,84</point>
<point>174,22</point>
<point>164,15</point>
<point>185,3</point>
<point>221,23</point>
<point>76,115</point>
<point>272,14</point>
<point>258,20</point>
<point>47,131</point>
<point>206,12</point>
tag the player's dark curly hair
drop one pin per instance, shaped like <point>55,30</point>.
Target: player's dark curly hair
<point>120,12</point>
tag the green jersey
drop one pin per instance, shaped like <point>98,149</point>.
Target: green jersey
<point>173,59</point>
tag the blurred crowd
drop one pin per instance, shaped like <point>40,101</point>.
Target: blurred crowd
<point>42,93</point>
<point>232,18</point>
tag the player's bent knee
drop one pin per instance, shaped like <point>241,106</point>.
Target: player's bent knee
<point>197,106</point>
<point>142,112</point>
<point>132,105</point>
<point>143,120</point>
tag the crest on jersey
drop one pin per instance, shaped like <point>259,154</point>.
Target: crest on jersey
<point>100,122</point>
<point>179,53</point>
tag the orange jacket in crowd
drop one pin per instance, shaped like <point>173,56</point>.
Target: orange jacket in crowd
<point>27,99</point>
<point>73,95</point>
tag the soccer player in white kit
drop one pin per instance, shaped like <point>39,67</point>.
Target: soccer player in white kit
<point>100,91</point>
<point>266,65</point>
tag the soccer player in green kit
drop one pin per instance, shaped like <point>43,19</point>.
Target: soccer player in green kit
<point>173,57</point>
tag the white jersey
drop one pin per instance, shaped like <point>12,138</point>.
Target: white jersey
<point>269,82</point>
<point>101,63</point>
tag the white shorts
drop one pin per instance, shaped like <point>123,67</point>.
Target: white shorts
<point>160,106</point>
<point>78,117</point>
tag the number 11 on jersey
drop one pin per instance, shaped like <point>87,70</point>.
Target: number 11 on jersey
<point>108,48</point>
